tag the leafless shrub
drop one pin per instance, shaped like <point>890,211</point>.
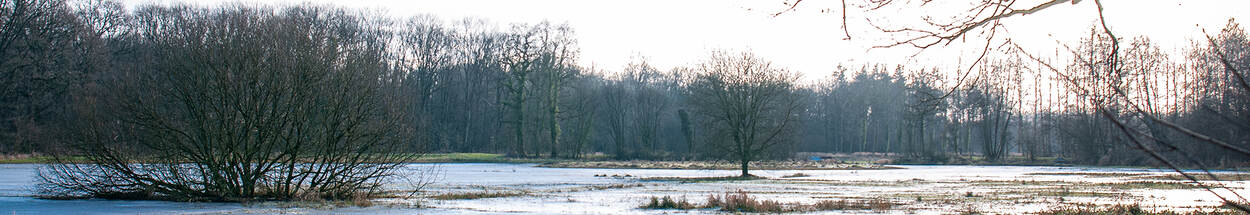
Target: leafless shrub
<point>241,103</point>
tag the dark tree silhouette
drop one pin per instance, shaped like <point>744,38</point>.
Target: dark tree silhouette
<point>749,102</point>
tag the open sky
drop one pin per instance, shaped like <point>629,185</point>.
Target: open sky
<point>809,40</point>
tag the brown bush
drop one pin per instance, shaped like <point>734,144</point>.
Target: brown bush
<point>667,202</point>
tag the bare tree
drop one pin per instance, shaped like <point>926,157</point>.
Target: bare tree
<point>584,110</point>
<point>520,61</point>
<point>616,113</point>
<point>557,66</point>
<point>749,102</point>
<point>922,108</point>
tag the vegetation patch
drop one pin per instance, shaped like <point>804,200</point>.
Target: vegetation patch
<point>603,187</point>
<point>1203,177</point>
<point>315,204</point>
<point>478,158</point>
<point>1082,209</point>
<point>667,202</point>
<point>38,158</point>
<point>1076,185</point>
<point>477,195</point>
<point>864,183</point>
<point>795,175</point>
<point>1062,193</point>
<point>702,179</point>
<point>870,204</point>
<point>1015,183</point>
<point>1088,174</point>
<point>716,165</point>
<point>1149,185</point>
<point>741,201</point>
<point>614,186</point>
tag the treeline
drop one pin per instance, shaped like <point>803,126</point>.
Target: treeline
<point>475,86</point>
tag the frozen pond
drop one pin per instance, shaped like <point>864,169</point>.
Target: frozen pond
<point>914,189</point>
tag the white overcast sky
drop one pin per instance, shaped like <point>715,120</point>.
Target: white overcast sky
<point>680,32</point>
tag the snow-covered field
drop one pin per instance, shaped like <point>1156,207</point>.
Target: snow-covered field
<point>913,189</point>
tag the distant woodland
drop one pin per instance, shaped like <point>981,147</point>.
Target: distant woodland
<point>92,75</point>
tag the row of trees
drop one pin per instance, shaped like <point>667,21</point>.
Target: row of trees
<point>1014,102</point>
<point>280,86</point>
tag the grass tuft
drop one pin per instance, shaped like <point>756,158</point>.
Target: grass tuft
<point>667,202</point>
<point>795,175</point>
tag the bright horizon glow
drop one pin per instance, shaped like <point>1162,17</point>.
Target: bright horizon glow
<point>680,33</point>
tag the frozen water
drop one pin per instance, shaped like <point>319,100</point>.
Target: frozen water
<point>915,188</point>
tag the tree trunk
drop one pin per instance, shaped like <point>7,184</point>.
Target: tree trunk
<point>553,111</point>
<point>687,132</point>
<point>745,161</point>
<point>519,128</point>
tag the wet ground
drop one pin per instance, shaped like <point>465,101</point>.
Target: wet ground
<point>526,189</point>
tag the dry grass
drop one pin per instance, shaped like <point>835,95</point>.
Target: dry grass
<point>1086,209</point>
<point>742,202</point>
<point>1090,174</point>
<point>872,204</point>
<point>721,165</point>
<point>1150,185</point>
<point>795,175</point>
<point>1203,177</point>
<point>667,202</point>
<point>702,179</point>
<point>1128,184</point>
<point>476,195</point>
<point>614,186</point>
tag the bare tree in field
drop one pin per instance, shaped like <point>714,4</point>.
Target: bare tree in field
<point>239,104</point>
<point>751,105</point>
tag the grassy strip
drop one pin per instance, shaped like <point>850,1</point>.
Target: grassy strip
<point>1088,174</point>
<point>741,201</point>
<point>795,175</point>
<point>702,179</point>
<point>1085,209</point>
<point>667,202</point>
<point>35,159</point>
<point>718,165</point>
<point>477,158</point>
<point>424,158</point>
<point>1200,176</point>
<point>1123,185</point>
<point>477,195</point>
